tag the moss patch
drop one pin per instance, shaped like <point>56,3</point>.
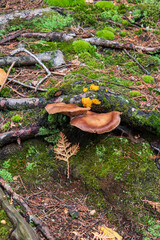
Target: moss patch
<point>4,229</point>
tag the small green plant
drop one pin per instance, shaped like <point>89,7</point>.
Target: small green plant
<point>108,35</point>
<point>31,166</point>
<point>134,94</point>
<point>6,126</point>
<point>17,118</point>
<point>31,152</point>
<point>104,5</point>
<point>123,34</point>
<point>65,3</point>
<point>4,173</point>
<point>148,79</point>
<point>81,46</point>
<point>52,22</point>
<point>100,150</point>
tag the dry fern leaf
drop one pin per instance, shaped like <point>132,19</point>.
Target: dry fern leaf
<point>110,233</point>
<point>101,236</point>
<point>64,150</point>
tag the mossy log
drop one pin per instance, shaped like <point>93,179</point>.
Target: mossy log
<point>22,230</point>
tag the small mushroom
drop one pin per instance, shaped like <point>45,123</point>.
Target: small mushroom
<point>97,122</point>
<point>70,109</point>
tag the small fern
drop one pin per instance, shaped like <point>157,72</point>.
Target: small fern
<point>64,150</point>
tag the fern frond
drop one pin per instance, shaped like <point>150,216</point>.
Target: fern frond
<point>64,150</point>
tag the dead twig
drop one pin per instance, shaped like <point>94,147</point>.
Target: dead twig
<point>9,70</point>
<point>146,71</point>
<point>22,49</point>
<point>26,85</point>
<point>20,94</point>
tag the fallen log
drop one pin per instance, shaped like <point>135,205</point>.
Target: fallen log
<point>22,103</point>
<point>18,135</point>
<point>40,225</point>
<point>22,230</point>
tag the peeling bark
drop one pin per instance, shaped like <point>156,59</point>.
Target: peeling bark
<point>22,230</point>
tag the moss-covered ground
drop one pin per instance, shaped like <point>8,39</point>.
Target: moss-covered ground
<point>6,228</point>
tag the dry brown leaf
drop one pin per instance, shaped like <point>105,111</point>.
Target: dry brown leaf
<point>155,205</point>
<point>112,235</point>
<point>89,1</point>
<point>3,75</point>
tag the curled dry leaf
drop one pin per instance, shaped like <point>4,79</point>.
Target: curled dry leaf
<point>3,75</point>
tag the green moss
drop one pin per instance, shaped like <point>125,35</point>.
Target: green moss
<point>134,94</point>
<point>50,93</point>
<point>65,3</point>
<point>5,92</point>
<point>110,29</point>
<point>148,79</point>
<point>6,125</point>
<point>81,46</point>
<point>123,34</point>
<point>4,229</point>
<point>17,118</point>
<point>105,34</point>
<point>104,5</point>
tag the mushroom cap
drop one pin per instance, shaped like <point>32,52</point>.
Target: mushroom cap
<point>97,122</point>
<point>70,109</point>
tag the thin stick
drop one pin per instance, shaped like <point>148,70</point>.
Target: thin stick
<point>22,49</point>
<point>7,75</point>
<point>26,85</point>
<point>20,94</point>
<point>148,73</point>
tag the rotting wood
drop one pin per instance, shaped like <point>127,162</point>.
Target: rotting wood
<point>42,227</point>
<point>22,230</point>
<point>22,134</point>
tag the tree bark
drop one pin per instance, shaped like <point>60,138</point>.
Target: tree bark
<point>22,230</point>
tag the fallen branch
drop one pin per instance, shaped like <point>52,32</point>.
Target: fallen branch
<point>40,225</point>
<point>26,85</point>
<point>22,103</point>
<point>11,37</point>
<point>24,60</point>
<point>23,133</point>
<point>22,230</point>
<point>145,70</point>
<point>22,49</point>
<point>52,36</point>
<point>112,44</point>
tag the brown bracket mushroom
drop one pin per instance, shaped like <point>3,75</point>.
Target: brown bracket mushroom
<point>70,109</point>
<point>86,120</point>
<point>97,122</point>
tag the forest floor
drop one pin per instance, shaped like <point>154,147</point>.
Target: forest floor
<point>62,204</point>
